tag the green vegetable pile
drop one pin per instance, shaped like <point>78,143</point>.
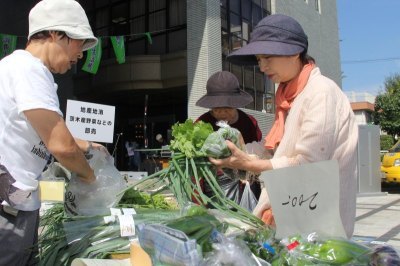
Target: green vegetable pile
<point>189,138</point>
<point>65,238</point>
<point>262,243</point>
<point>189,165</point>
<point>198,225</point>
<point>133,198</point>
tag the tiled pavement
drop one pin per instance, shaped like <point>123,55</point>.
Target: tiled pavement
<point>378,219</point>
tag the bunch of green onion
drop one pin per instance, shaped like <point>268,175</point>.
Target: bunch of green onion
<point>187,166</point>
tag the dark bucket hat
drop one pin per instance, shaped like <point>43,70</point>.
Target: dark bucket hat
<point>274,35</point>
<point>223,91</point>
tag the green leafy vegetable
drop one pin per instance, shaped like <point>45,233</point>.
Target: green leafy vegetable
<point>135,198</point>
<point>189,137</point>
<point>215,145</point>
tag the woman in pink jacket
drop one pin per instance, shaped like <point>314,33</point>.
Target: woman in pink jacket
<point>313,121</point>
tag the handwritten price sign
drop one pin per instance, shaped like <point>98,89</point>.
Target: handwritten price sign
<point>305,199</point>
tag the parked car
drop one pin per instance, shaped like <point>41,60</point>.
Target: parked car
<point>390,166</point>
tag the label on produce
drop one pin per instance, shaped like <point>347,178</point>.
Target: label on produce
<point>51,190</point>
<point>90,121</point>
<point>115,211</point>
<point>127,225</point>
<point>128,211</point>
<point>305,199</point>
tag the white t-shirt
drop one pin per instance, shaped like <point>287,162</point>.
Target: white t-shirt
<point>25,84</point>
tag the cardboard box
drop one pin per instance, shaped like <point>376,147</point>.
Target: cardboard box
<point>139,257</point>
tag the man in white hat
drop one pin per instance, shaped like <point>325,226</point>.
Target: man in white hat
<point>33,127</point>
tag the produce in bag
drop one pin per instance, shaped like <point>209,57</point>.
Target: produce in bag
<point>261,242</point>
<point>229,251</point>
<point>215,146</point>
<point>198,224</point>
<point>315,250</point>
<point>168,246</point>
<point>384,255</point>
<point>65,238</point>
<point>95,198</point>
<point>188,167</point>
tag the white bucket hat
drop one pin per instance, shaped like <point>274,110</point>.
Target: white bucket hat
<point>62,15</point>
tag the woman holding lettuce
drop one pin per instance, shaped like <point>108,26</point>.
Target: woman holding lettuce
<point>313,121</point>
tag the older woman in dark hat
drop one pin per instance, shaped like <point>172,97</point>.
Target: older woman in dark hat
<point>223,98</point>
<point>313,121</point>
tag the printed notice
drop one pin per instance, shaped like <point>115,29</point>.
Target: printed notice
<point>90,121</point>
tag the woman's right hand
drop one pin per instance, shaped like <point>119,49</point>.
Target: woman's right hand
<point>237,160</point>
<point>241,160</point>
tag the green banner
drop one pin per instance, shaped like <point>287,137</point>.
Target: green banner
<point>118,44</point>
<point>148,35</point>
<point>7,44</point>
<point>93,59</point>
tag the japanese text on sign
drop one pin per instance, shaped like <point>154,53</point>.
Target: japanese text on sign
<point>298,201</point>
<point>305,198</point>
<point>91,121</point>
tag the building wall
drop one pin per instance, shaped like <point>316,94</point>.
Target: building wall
<point>362,117</point>
<point>204,44</point>
<point>203,49</point>
<point>322,30</point>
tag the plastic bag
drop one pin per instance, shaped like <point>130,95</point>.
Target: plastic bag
<point>248,200</point>
<point>384,255</point>
<point>230,187</point>
<point>229,251</point>
<point>261,241</point>
<point>315,250</point>
<point>96,198</point>
<point>215,146</point>
<point>55,171</point>
<point>167,245</point>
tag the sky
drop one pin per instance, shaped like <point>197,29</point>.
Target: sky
<point>369,34</point>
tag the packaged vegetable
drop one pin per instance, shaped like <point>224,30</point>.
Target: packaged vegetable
<point>215,145</point>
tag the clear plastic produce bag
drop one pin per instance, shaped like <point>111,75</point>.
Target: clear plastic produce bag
<point>168,246</point>
<point>96,198</point>
<point>215,146</point>
<point>229,251</point>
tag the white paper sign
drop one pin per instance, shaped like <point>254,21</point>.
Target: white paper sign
<point>305,199</point>
<point>90,121</point>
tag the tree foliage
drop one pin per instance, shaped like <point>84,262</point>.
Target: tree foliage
<point>386,142</point>
<point>387,106</point>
